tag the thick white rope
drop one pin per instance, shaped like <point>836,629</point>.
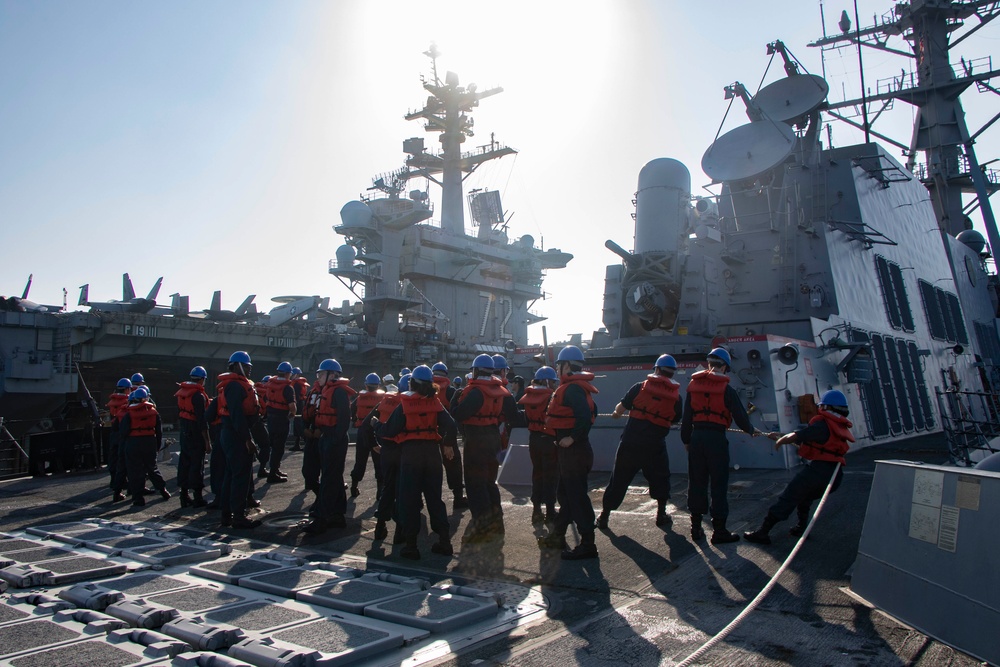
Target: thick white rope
<point>724,632</point>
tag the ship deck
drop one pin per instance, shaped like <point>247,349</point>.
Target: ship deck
<point>652,598</point>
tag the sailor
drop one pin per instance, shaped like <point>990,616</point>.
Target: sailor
<point>570,415</point>
<point>137,381</point>
<point>239,409</point>
<point>117,403</point>
<point>500,372</point>
<point>425,431</point>
<point>333,417</point>
<point>280,414</point>
<point>142,436</point>
<point>453,465</point>
<point>541,445</point>
<point>191,403</point>
<point>389,453</point>
<point>258,430</point>
<point>479,409</point>
<point>456,382</point>
<point>361,409</point>
<point>653,405</point>
<point>310,448</point>
<point>710,408</point>
<point>301,385</point>
<point>217,457</point>
<point>823,444</point>
<point>517,387</point>
<point>389,384</point>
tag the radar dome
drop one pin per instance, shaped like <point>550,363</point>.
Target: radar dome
<point>345,256</point>
<point>356,214</point>
<point>661,204</point>
<point>973,239</point>
<point>528,241</point>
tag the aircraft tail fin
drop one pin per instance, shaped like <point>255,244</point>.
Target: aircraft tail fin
<point>245,306</point>
<point>180,304</point>
<point>156,289</point>
<point>128,292</point>
<point>84,295</point>
<point>27,286</point>
<point>216,301</point>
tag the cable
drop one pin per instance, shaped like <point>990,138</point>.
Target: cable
<point>724,632</point>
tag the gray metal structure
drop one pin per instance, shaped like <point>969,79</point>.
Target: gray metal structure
<point>820,267</point>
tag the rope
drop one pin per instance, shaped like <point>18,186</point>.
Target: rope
<point>722,634</point>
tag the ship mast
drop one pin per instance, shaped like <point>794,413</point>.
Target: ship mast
<point>448,111</point>
<point>951,168</point>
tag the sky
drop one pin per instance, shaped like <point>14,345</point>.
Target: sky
<point>214,144</point>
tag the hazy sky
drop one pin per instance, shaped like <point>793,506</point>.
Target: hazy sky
<point>214,143</point>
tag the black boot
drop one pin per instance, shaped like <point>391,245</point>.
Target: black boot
<point>554,540</point>
<point>536,515</point>
<point>798,529</point>
<point>460,502</point>
<point>355,491</point>
<point>721,535</point>
<point>760,536</point>
<point>586,549</point>
<point>602,520</point>
<point>443,545</point>
<point>198,500</point>
<point>381,531</point>
<point>185,498</point>
<point>697,532</point>
<point>410,550</point>
<point>662,518</point>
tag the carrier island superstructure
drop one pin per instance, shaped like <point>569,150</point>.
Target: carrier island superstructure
<point>431,291</point>
<point>821,267</point>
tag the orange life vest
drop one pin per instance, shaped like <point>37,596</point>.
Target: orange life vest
<point>116,405</point>
<point>707,394</point>
<point>326,413</point>
<point>251,405</point>
<point>301,388</point>
<point>656,401</point>
<point>261,389</point>
<point>443,383</point>
<point>535,402</point>
<point>388,405</point>
<point>421,418</point>
<point>276,394</point>
<point>142,420</point>
<point>493,394</point>
<point>836,445</point>
<point>559,415</point>
<point>365,403</point>
<point>312,401</point>
<point>185,398</point>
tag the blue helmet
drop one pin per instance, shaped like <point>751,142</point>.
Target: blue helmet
<point>240,357</point>
<point>570,353</point>
<point>372,378</point>
<point>404,383</point>
<point>266,378</point>
<point>666,361</point>
<point>124,383</point>
<point>457,381</point>
<point>330,365</point>
<point>199,372</point>
<point>423,374</point>
<point>719,353</point>
<point>834,398</point>
<point>404,371</point>
<point>137,378</point>
<point>296,371</point>
<point>483,361</point>
<point>439,367</point>
<point>284,367</point>
<point>500,362</point>
<point>546,373</point>
<point>140,394</point>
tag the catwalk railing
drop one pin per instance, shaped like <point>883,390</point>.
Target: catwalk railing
<point>971,420</point>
